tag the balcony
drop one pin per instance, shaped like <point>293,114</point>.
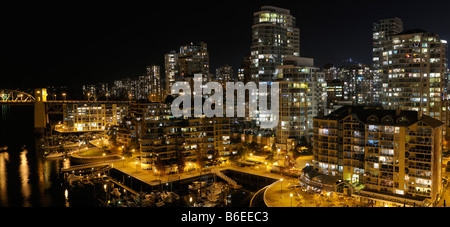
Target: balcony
<point>425,160</point>
<point>421,134</point>
<point>420,142</point>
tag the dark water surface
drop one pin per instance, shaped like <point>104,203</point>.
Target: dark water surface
<point>26,178</point>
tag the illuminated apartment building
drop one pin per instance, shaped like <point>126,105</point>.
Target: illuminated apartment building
<point>383,31</point>
<point>171,70</point>
<point>93,116</point>
<point>395,154</point>
<point>414,67</point>
<point>224,74</point>
<point>352,84</point>
<point>302,97</point>
<point>167,138</point>
<point>275,36</point>
<point>155,84</point>
<point>244,71</point>
<point>193,59</point>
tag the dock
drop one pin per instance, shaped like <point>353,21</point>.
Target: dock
<point>123,186</point>
<point>88,166</point>
<point>148,180</point>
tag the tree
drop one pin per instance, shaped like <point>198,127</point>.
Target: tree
<point>295,153</point>
<point>113,139</point>
<point>160,166</point>
<point>271,158</point>
<point>274,148</point>
<point>289,162</point>
<point>304,142</point>
<point>126,152</point>
<point>215,157</point>
<point>254,147</point>
<point>243,152</point>
<point>200,158</point>
<point>181,162</point>
<point>134,143</point>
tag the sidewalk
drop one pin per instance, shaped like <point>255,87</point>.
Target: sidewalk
<point>149,177</point>
<point>278,195</point>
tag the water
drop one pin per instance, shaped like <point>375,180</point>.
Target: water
<point>26,178</point>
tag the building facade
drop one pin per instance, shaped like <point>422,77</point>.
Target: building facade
<point>390,152</point>
<point>275,36</point>
<point>414,68</point>
<point>302,97</point>
<point>383,31</point>
<point>353,84</point>
<point>193,59</point>
<point>169,140</point>
<point>224,74</point>
<point>87,117</point>
<point>171,70</point>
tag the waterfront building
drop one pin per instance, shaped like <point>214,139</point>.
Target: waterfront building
<point>89,117</point>
<point>169,140</point>
<point>392,153</point>
<point>302,97</point>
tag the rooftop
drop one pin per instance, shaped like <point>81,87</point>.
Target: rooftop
<point>380,116</point>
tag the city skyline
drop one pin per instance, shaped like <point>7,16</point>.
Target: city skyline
<point>93,44</point>
<point>342,104</point>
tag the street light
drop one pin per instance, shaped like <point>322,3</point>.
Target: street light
<point>64,95</point>
<point>281,180</point>
<point>291,198</point>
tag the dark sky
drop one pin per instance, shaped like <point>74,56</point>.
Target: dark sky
<point>75,42</point>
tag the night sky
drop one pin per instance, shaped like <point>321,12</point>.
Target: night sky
<point>73,43</point>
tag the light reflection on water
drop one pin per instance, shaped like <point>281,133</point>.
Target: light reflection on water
<point>24,171</point>
<point>26,178</point>
<point>26,182</point>
<point>4,158</point>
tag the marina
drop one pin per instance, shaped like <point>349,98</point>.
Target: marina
<point>206,190</point>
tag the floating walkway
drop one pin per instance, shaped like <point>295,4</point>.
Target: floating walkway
<point>230,181</point>
<point>89,166</point>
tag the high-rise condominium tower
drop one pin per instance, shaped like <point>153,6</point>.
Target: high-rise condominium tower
<point>414,67</point>
<point>383,31</point>
<point>193,59</point>
<point>154,80</point>
<point>171,70</point>
<point>275,36</point>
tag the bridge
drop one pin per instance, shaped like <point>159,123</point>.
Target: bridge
<point>10,97</point>
<point>44,107</point>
